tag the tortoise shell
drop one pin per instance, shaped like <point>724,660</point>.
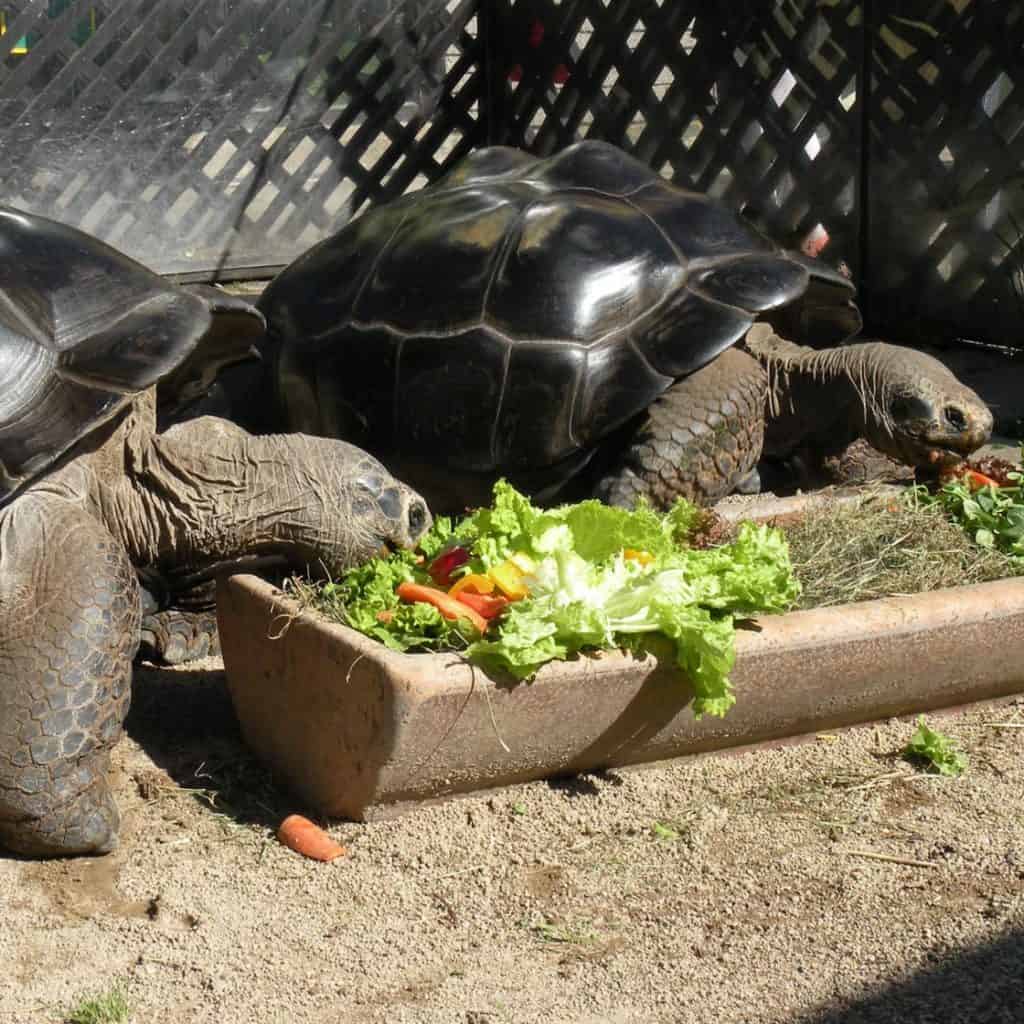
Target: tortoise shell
<point>83,329</point>
<point>517,310</point>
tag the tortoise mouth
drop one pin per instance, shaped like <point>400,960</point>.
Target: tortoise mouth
<point>943,457</point>
<point>944,452</point>
<point>388,546</point>
<point>931,444</point>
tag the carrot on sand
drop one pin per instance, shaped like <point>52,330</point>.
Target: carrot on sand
<point>302,836</point>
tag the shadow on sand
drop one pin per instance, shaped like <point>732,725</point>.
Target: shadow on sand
<point>183,719</point>
<point>980,985</point>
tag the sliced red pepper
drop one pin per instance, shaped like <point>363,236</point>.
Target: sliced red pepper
<point>490,606</point>
<point>442,567</point>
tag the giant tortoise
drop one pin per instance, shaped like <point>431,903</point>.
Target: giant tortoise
<point>90,495</point>
<point>572,322</point>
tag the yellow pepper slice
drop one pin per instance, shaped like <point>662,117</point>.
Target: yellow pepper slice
<point>475,582</point>
<point>522,561</point>
<point>509,579</point>
<point>634,555</point>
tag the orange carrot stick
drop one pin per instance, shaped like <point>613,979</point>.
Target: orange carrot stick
<point>976,480</point>
<point>448,606</point>
<point>302,836</point>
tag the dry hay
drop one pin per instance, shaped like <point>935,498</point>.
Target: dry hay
<point>885,546</point>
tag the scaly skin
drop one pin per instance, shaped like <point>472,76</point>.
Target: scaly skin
<point>69,626</point>
<point>698,441</point>
<point>189,502</point>
<point>905,403</point>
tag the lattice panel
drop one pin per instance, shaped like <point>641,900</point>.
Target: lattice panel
<point>231,134</point>
<point>753,102</point>
<point>946,171</point>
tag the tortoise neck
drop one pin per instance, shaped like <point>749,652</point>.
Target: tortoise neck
<point>206,497</point>
<point>828,393</point>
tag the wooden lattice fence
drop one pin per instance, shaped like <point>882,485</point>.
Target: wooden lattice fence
<point>754,103</point>
<point>231,134</point>
<point>891,128</point>
<point>226,136</point>
<point>945,170</point>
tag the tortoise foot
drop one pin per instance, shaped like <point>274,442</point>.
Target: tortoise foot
<point>860,463</point>
<point>174,636</point>
<point>55,827</point>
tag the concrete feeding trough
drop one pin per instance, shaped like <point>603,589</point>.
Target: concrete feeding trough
<point>358,731</point>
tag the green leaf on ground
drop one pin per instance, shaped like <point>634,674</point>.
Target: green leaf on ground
<point>934,750</point>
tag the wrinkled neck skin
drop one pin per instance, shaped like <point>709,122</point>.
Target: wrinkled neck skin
<point>206,497</point>
<point>824,397</point>
<point>206,502</point>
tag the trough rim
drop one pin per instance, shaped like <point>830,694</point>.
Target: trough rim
<point>934,602</point>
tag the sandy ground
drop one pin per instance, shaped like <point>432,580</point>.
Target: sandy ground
<point>742,888</point>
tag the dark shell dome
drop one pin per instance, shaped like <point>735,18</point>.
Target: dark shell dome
<point>83,329</point>
<point>517,310</point>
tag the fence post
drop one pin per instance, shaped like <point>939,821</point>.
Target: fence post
<point>490,16</point>
<point>864,107</point>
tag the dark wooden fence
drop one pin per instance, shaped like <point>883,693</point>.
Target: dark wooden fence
<point>223,137</point>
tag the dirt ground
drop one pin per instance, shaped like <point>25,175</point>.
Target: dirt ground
<point>827,882</point>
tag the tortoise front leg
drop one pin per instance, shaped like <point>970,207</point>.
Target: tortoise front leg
<point>700,440</point>
<point>69,627</point>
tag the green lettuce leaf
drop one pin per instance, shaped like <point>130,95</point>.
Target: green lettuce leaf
<point>935,750</point>
<point>365,599</point>
<point>439,534</point>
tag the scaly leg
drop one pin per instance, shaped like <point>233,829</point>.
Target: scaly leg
<point>175,636</point>
<point>700,440</point>
<point>69,627</point>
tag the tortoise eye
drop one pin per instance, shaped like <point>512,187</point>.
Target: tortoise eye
<point>417,518</point>
<point>955,417</point>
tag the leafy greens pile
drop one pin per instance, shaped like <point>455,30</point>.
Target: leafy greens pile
<point>992,516</point>
<point>585,592</point>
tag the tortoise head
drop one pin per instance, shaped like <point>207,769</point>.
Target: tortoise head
<point>917,411</point>
<point>382,514</point>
